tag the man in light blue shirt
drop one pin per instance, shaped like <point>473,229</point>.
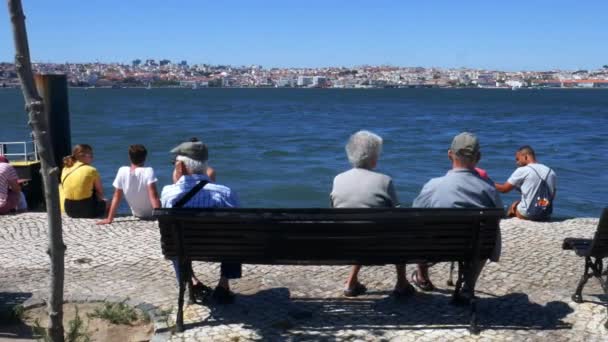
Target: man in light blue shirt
<point>461,187</point>
<point>190,169</point>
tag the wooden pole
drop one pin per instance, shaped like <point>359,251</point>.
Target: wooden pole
<point>54,91</point>
<point>35,108</point>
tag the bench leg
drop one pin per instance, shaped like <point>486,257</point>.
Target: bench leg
<point>471,279</point>
<point>467,276</point>
<point>184,275</point>
<point>598,272</point>
<point>577,297</point>
<point>473,328</point>
<point>456,297</point>
<point>604,284</point>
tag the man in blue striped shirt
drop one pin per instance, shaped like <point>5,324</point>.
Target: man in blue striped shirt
<point>190,169</point>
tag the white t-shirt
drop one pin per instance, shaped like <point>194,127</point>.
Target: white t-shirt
<point>135,188</point>
<point>528,181</point>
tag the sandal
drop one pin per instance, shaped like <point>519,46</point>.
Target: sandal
<point>424,286</point>
<point>358,290</point>
<point>405,292</point>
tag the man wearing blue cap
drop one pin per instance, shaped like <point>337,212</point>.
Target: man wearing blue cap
<point>461,187</point>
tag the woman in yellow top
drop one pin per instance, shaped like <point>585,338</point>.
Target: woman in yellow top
<point>80,189</point>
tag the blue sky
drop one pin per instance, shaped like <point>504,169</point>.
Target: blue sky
<point>506,35</point>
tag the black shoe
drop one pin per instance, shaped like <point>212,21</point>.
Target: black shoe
<point>201,292</point>
<point>402,293</point>
<point>223,296</point>
<point>358,290</point>
<point>462,298</point>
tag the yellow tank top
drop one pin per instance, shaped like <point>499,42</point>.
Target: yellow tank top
<point>77,182</point>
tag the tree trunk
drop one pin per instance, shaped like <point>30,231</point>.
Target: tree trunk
<point>34,106</point>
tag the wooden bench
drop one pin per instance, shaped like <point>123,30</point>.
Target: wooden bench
<point>331,237</point>
<point>594,251</point>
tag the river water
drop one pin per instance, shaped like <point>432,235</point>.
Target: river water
<point>282,147</point>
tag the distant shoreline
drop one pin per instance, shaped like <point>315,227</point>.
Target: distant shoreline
<point>330,88</point>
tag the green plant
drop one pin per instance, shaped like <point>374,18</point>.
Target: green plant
<point>76,332</point>
<point>115,313</point>
<point>40,332</point>
<point>145,317</point>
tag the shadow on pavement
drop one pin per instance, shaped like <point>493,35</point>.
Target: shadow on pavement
<point>601,299</point>
<point>271,312</point>
<point>11,326</point>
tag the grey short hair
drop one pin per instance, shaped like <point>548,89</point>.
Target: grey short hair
<point>193,166</point>
<point>363,148</point>
<point>467,159</point>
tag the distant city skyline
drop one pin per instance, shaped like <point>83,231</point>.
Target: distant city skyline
<point>509,36</point>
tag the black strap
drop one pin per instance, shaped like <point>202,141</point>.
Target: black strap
<point>543,180</point>
<point>180,203</point>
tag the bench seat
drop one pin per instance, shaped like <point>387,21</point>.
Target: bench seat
<point>332,236</point>
<point>582,247</point>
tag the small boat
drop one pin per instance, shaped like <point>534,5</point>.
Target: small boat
<point>149,86</point>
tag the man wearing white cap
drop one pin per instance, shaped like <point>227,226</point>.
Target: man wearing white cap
<point>190,175</point>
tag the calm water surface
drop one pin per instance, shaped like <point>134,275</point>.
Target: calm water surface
<point>282,147</point>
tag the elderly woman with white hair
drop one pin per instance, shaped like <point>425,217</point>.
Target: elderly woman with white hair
<point>361,187</point>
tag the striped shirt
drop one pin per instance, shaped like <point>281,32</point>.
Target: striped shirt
<point>7,174</point>
<point>210,196</point>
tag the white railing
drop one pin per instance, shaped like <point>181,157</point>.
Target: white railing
<point>19,150</point>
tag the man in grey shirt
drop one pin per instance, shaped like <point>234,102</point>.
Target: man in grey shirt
<point>360,187</point>
<point>528,178</point>
<point>461,187</point>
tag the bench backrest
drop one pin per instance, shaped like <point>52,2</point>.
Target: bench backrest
<point>328,236</point>
<point>599,247</point>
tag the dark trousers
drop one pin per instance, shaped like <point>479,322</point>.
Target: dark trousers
<point>91,207</point>
<point>227,270</point>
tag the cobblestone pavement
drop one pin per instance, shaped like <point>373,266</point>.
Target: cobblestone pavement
<point>524,297</point>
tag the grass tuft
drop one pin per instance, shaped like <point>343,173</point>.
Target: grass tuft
<point>77,330</point>
<point>116,313</point>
